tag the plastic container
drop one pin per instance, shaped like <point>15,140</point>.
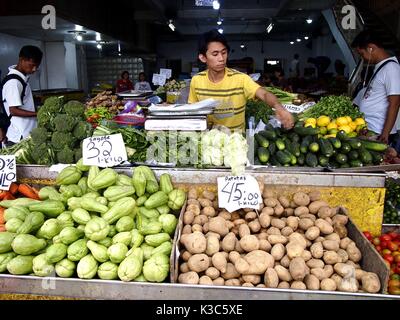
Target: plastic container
<point>173,96</point>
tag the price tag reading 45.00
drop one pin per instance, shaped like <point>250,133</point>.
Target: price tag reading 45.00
<point>8,171</point>
<point>104,151</point>
<point>238,192</point>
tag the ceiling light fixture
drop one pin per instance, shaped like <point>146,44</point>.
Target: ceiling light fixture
<point>220,30</point>
<point>78,27</point>
<point>171,25</point>
<point>99,46</point>
<point>242,46</point>
<point>98,36</point>
<point>269,28</point>
<point>291,42</point>
<point>298,40</point>
<point>216,5</point>
<point>79,37</point>
<point>309,20</point>
<point>306,38</point>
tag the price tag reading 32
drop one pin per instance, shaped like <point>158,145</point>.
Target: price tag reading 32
<point>104,151</point>
<point>8,171</point>
<point>237,192</point>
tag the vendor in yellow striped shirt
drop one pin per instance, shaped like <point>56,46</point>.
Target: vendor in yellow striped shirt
<point>232,87</point>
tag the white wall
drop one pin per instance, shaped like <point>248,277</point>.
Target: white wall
<point>71,68</point>
<point>55,55</point>
<point>9,51</point>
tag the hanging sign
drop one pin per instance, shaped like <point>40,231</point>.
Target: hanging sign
<point>8,171</point>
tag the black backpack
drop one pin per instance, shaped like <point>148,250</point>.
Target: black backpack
<point>5,120</point>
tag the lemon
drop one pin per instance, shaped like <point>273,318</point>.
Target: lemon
<point>349,119</point>
<point>309,124</point>
<point>342,121</point>
<point>333,121</point>
<point>353,126</point>
<point>323,121</point>
<point>311,120</point>
<point>359,121</point>
<point>345,128</point>
<point>331,126</point>
<point>323,130</point>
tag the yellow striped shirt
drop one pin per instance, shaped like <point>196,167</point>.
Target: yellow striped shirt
<point>233,91</point>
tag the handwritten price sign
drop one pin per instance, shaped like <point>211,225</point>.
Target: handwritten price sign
<point>8,171</point>
<point>104,151</point>
<point>239,192</point>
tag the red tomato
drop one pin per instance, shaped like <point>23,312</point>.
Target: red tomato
<point>378,248</point>
<point>386,251</point>
<point>388,257</point>
<point>384,244</point>
<point>385,237</point>
<point>376,241</point>
<point>392,246</point>
<point>394,283</point>
<point>368,235</point>
<point>392,235</point>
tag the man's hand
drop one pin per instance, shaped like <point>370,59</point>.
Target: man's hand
<point>384,137</point>
<point>285,117</point>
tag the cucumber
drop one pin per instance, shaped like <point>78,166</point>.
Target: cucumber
<point>336,143</point>
<point>294,148</point>
<point>365,157</point>
<point>353,155</point>
<point>294,137</point>
<point>308,131</point>
<point>377,158</point>
<point>263,154</point>
<point>311,160</point>
<point>346,148</point>
<point>301,159</point>
<point>313,147</point>
<point>261,140</point>
<point>305,143</point>
<point>269,134</point>
<point>374,145</point>
<point>280,144</point>
<point>323,161</point>
<point>326,147</point>
<point>342,136</point>
<point>355,163</point>
<point>355,144</point>
<point>345,165</point>
<point>283,157</point>
<point>272,148</point>
<point>341,158</point>
<point>274,161</point>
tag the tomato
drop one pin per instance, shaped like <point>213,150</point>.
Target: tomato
<point>395,276</point>
<point>376,241</point>
<point>394,290</point>
<point>386,251</point>
<point>397,258</point>
<point>378,248</point>
<point>384,244</point>
<point>388,257</point>
<point>395,253</point>
<point>392,235</point>
<point>368,235</point>
<point>392,246</point>
<point>394,283</point>
<point>388,264</point>
<point>385,237</point>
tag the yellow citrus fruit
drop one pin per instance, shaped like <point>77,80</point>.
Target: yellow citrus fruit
<point>311,120</point>
<point>349,119</point>
<point>323,121</point>
<point>359,121</point>
<point>342,121</point>
<point>345,128</point>
<point>309,124</point>
<point>353,126</point>
<point>331,126</point>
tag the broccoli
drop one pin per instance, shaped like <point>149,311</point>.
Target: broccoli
<point>39,135</point>
<point>61,139</point>
<point>66,155</point>
<point>82,130</point>
<point>78,154</point>
<point>74,108</point>
<point>53,104</point>
<point>64,123</point>
<point>42,154</point>
<point>46,114</point>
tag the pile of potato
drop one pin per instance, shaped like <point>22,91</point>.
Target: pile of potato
<point>297,243</point>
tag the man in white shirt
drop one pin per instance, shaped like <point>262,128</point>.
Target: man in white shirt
<point>380,99</point>
<point>294,70</point>
<point>17,96</point>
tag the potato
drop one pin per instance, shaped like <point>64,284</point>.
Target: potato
<point>298,285</point>
<point>193,208</point>
<point>225,214</point>
<point>328,285</point>
<point>192,193</point>
<point>293,222</point>
<point>250,216</point>
<point>205,202</point>
<point>315,263</point>
<point>273,231</point>
<point>213,234</point>
<point>209,212</point>
<point>262,236</point>
<point>188,217</point>
<point>274,239</point>
<point>297,237</point>
<point>187,229</point>
<point>268,211</point>
<point>218,225</point>
<point>285,202</point>
<point>294,249</point>
<point>268,193</point>
<point>234,256</point>
<point>186,255</point>
<point>205,280</point>
<point>195,242</point>
<point>324,226</point>
<point>345,242</point>
<point>319,239</point>
<point>328,269</point>
<point>316,205</point>
<point>324,212</point>
<point>300,211</point>
<point>334,237</point>
<point>271,202</point>
<point>340,230</point>
<point>278,251</point>
<point>230,224</point>
<point>298,268</point>
<point>308,216</point>
<point>252,278</point>
<point>259,261</point>
<point>249,243</point>
<point>331,257</point>
<point>351,263</point>
<point>285,261</point>
<point>213,245</point>
<point>215,204</point>
<point>312,282</point>
<point>264,245</point>
<point>287,231</point>
<point>264,219</point>
<point>330,245</point>
<point>219,261</point>
<point>306,255</point>
<point>190,277</point>
<point>213,273</point>
<point>231,272</point>
<point>278,210</point>
<point>305,224</point>
<point>319,273</point>
<point>193,202</point>
<point>234,216</point>
<point>219,281</point>
<point>242,266</point>
<point>229,241</point>
<point>238,247</point>
<point>254,226</point>
<point>338,279</point>
<point>200,219</point>
<point>239,222</point>
<point>293,205</point>
<point>247,284</point>
<point>301,199</point>
<point>198,262</point>
<point>329,220</point>
<point>278,223</point>
<point>312,233</point>
<point>261,285</point>
<point>317,250</point>
<point>197,227</point>
<point>343,269</point>
<point>183,268</point>
<point>271,279</point>
<point>340,219</point>
<point>343,255</point>
<point>208,195</point>
<point>359,274</point>
<point>232,282</point>
<point>235,230</point>
<point>283,273</point>
<point>314,195</point>
<point>353,252</point>
<point>288,212</point>
<point>283,285</point>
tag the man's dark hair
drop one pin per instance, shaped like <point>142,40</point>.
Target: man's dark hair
<point>296,56</point>
<point>366,37</point>
<point>142,73</point>
<point>31,52</point>
<point>123,73</point>
<point>211,36</point>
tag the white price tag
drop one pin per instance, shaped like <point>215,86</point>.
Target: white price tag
<point>155,79</point>
<point>237,192</point>
<point>104,151</point>
<point>166,72</point>
<point>8,171</point>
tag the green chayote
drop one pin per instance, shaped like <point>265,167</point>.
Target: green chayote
<point>20,265</point>
<point>56,252</point>
<point>156,269</point>
<point>87,267</point>
<point>77,250</point>
<point>65,268</point>
<point>97,229</point>
<point>98,251</point>
<point>41,267</point>
<point>108,271</point>
<point>117,252</point>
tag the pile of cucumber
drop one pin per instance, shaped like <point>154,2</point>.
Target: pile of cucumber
<point>302,146</point>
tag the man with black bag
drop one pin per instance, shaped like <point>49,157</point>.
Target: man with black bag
<point>17,108</point>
